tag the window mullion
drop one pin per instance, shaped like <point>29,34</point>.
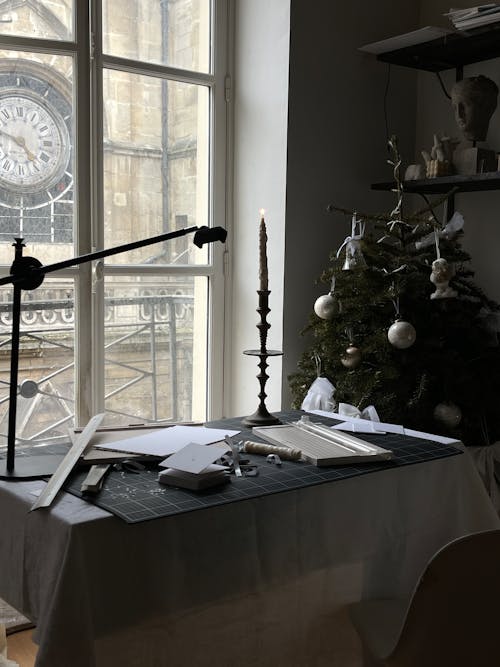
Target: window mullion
<point>97,225</point>
<point>83,300</point>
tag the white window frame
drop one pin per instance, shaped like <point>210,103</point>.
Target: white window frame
<point>89,297</point>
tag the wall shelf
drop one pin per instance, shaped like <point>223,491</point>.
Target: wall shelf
<point>443,184</point>
<point>451,51</point>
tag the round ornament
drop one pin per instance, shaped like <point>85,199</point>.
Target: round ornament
<point>326,306</point>
<point>448,414</point>
<point>352,357</point>
<point>401,334</point>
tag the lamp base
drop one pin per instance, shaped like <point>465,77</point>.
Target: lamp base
<point>261,417</point>
<point>31,467</point>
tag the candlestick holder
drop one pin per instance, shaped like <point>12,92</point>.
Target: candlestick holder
<point>262,417</point>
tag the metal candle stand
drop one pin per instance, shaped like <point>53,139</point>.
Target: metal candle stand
<point>261,417</point>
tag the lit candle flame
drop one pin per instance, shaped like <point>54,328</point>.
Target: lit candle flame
<point>262,212</point>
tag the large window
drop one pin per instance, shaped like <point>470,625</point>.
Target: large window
<point>108,119</point>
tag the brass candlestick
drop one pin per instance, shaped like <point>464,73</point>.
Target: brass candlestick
<point>261,417</point>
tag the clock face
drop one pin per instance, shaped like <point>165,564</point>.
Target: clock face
<point>34,142</point>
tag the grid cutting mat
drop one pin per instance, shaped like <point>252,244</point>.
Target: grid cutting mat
<point>139,497</point>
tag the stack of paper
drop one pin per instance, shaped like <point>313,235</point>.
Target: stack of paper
<point>167,441</point>
<point>474,17</point>
<point>213,475</point>
<point>193,467</point>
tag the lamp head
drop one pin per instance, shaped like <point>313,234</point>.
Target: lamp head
<point>209,235</point>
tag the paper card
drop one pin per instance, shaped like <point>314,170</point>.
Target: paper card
<point>381,427</point>
<point>358,426</point>
<point>168,440</point>
<point>193,458</point>
<point>432,436</point>
<point>389,428</point>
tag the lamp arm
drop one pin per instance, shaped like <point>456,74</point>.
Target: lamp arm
<point>203,235</point>
<point>28,273</point>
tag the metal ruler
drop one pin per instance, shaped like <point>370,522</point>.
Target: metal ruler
<point>68,463</point>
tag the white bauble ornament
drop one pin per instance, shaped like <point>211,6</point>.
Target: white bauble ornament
<point>402,334</point>
<point>448,414</point>
<point>326,306</point>
<point>351,358</point>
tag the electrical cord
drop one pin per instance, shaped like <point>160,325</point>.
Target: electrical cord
<point>443,88</point>
<point>386,93</point>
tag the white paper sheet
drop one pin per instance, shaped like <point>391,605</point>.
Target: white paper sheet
<point>381,427</point>
<point>358,426</point>
<point>194,458</point>
<point>168,440</point>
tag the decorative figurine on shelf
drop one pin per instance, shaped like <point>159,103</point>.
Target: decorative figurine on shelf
<point>442,272</point>
<point>414,172</point>
<point>439,161</point>
<point>474,101</point>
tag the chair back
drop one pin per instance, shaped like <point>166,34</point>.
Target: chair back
<point>453,618</point>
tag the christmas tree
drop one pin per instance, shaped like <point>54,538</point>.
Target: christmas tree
<point>404,327</point>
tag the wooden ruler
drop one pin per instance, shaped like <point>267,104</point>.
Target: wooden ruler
<point>68,463</point>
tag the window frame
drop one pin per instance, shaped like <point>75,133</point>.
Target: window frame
<point>89,62</point>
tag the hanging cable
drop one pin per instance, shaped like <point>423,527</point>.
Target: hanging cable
<point>443,86</point>
<point>386,93</point>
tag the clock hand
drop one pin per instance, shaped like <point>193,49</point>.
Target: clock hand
<point>20,141</point>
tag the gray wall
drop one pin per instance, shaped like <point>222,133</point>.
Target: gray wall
<point>337,138</point>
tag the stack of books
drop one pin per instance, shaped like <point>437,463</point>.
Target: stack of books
<point>474,17</point>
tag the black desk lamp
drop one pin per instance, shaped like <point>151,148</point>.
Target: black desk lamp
<point>27,273</point>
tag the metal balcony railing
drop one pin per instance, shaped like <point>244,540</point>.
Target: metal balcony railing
<point>139,332</point>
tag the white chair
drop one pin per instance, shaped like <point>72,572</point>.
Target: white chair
<point>453,617</point>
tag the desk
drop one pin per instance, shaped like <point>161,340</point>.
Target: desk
<point>256,583</point>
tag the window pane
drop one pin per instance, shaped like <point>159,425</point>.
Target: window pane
<point>156,346</point>
<point>155,165</point>
<point>36,154</point>
<point>171,32</point>
<point>45,402</point>
<point>42,19</point>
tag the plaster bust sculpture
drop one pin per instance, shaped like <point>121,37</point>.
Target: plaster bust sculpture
<point>474,100</point>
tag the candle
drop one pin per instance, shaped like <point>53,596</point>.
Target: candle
<point>263,274</point>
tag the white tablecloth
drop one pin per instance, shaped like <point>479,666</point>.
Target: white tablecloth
<point>256,583</point>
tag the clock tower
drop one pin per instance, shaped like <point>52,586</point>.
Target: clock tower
<point>35,152</point>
